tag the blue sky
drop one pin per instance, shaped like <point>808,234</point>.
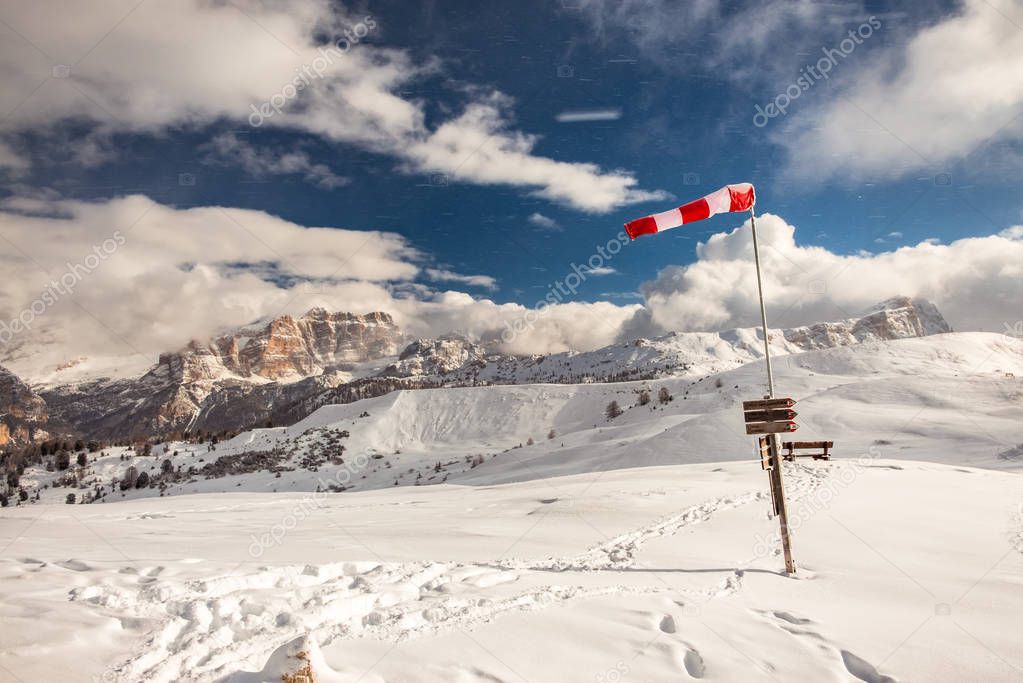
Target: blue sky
<point>864,161</point>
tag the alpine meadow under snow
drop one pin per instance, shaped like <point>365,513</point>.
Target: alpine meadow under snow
<point>552,341</point>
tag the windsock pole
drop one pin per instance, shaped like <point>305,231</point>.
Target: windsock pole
<point>777,483</point>
<point>763,309</point>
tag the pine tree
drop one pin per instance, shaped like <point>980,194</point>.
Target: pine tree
<point>613,410</point>
<point>130,476</point>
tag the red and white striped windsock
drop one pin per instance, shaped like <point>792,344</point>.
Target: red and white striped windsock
<point>740,197</point>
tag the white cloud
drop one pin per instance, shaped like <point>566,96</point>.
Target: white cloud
<point>146,278</point>
<point>444,275</point>
<point>478,147</point>
<point>588,115</point>
<point>177,274</point>
<point>542,221</point>
<point>152,66</point>
<point>955,85</point>
<point>601,271</point>
<point>976,282</point>
<point>918,103</point>
<point>228,148</point>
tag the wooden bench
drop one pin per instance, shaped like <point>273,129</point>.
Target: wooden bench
<point>820,449</point>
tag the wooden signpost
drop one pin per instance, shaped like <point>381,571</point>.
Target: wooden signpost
<point>771,427</point>
<point>771,417</point>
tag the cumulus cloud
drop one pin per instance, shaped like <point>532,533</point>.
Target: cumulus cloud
<point>172,274</point>
<point>976,282</point>
<point>132,277</point>
<point>193,62</point>
<point>957,85</point>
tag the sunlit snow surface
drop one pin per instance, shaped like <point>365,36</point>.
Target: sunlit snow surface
<point>638,549</point>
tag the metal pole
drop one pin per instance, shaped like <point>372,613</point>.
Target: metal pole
<point>777,483</point>
<point>763,309</point>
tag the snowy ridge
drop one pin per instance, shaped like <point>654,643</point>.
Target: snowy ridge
<point>678,353</point>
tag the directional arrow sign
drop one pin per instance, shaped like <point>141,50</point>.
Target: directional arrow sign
<point>768,404</point>
<point>770,415</point>
<point>771,427</point>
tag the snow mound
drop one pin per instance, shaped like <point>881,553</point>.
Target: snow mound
<point>297,661</point>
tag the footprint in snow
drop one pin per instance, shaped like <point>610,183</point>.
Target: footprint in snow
<point>693,663</point>
<point>798,621</point>
<point>74,565</point>
<point>864,670</point>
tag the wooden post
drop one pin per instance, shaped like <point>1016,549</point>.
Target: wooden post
<point>777,484</point>
<point>780,505</point>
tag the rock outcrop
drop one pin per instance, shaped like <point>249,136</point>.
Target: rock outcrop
<point>23,414</point>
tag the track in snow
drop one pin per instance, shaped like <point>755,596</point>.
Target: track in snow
<point>207,629</point>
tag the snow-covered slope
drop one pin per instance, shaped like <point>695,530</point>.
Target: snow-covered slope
<point>957,397</point>
<point>653,557</point>
<point>908,571</point>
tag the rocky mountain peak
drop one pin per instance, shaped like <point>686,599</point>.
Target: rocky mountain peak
<point>22,413</point>
<point>436,357</point>
<point>896,318</point>
<point>286,348</point>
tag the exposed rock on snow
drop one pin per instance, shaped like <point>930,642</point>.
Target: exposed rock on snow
<point>23,414</point>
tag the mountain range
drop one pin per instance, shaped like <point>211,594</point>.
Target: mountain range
<point>280,371</point>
